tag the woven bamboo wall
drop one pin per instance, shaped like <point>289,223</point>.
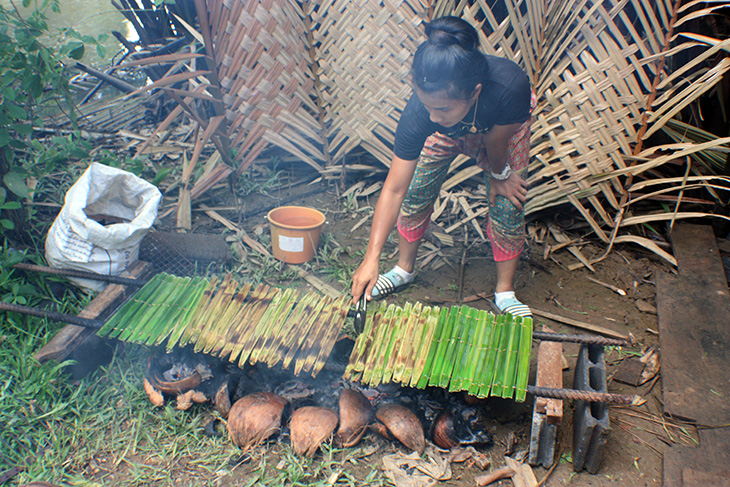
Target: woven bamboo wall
<point>323,77</point>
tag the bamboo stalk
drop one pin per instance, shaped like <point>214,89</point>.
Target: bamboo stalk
<point>378,345</point>
<point>163,321</point>
<point>447,359</point>
<point>364,343</point>
<point>248,324</point>
<point>183,320</point>
<point>334,331</point>
<point>501,356</point>
<point>236,337</point>
<point>300,338</point>
<point>273,326</point>
<point>260,328</point>
<point>220,304</point>
<point>444,343</point>
<point>424,365</point>
<point>216,334</point>
<point>391,333</point>
<point>419,330</point>
<point>482,354</point>
<point>460,378</point>
<point>131,307</point>
<point>275,350</point>
<point>485,383</point>
<point>404,355</point>
<point>152,305</point>
<point>510,367</point>
<point>523,369</point>
<point>400,338</point>
<point>202,306</point>
<point>305,359</point>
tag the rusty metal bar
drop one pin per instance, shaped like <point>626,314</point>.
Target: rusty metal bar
<point>80,274</point>
<point>588,396</point>
<point>588,339</point>
<point>51,315</point>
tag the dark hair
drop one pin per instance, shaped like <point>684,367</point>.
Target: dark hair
<point>450,59</point>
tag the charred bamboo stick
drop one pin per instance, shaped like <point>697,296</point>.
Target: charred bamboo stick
<point>420,328</point>
<point>300,338</point>
<point>398,337</point>
<point>334,331</point>
<point>588,396</point>
<point>80,274</point>
<point>249,320</point>
<point>214,340</point>
<point>404,353</point>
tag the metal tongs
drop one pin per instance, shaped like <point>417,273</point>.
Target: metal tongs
<point>361,309</point>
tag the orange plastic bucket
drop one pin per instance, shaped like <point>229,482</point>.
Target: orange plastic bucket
<point>295,232</point>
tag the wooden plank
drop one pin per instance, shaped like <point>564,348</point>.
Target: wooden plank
<point>703,466</point>
<point>67,342</point>
<point>550,374</point>
<point>694,334</point>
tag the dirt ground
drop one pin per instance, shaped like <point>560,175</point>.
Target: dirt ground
<point>638,435</point>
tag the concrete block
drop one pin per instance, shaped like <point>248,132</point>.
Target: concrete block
<point>590,419</point>
<point>542,440</point>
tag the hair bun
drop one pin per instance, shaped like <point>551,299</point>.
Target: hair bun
<point>456,32</point>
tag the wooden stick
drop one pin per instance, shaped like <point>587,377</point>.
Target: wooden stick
<point>579,324</point>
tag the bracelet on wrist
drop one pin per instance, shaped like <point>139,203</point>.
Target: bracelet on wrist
<point>504,175</point>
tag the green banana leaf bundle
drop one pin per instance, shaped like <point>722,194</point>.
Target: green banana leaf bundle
<point>458,348</point>
<point>238,322</point>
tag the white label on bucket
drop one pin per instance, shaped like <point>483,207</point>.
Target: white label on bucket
<point>290,244</point>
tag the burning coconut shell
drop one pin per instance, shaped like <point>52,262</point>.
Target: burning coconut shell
<point>403,424</point>
<point>355,415</point>
<point>254,418</point>
<point>450,430</point>
<point>310,426</point>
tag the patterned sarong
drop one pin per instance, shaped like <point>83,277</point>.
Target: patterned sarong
<point>505,223</point>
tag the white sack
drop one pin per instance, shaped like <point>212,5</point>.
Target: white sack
<point>75,241</point>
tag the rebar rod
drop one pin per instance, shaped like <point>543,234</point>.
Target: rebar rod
<point>51,315</point>
<point>80,274</point>
<point>588,396</point>
<point>589,339</point>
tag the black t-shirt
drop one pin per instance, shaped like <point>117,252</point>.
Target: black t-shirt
<point>504,100</point>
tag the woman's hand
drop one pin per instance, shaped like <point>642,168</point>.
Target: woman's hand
<point>363,281</point>
<point>514,188</point>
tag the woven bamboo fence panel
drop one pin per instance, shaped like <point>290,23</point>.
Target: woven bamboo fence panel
<point>363,51</point>
<point>320,78</point>
<point>595,68</point>
<point>264,68</point>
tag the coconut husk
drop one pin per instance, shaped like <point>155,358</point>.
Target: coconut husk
<point>254,418</point>
<point>403,424</point>
<point>310,426</point>
<point>355,415</point>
